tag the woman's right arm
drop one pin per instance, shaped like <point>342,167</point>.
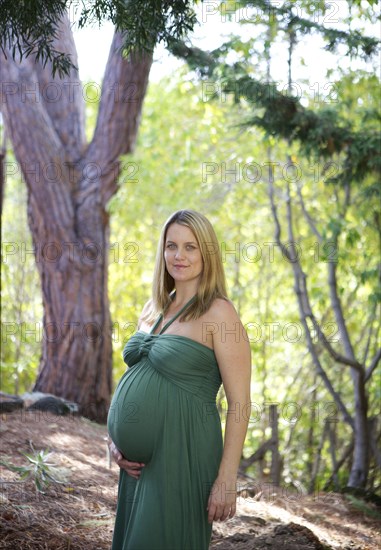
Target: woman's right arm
<point>134,469</point>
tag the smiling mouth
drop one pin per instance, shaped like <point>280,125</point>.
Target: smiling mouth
<point>178,266</point>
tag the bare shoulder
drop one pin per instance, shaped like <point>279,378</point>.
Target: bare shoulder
<point>147,307</point>
<point>145,311</point>
<point>222,310</point>
<point>230,342</point>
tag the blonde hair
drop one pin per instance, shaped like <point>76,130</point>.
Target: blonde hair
<point>212,282</point>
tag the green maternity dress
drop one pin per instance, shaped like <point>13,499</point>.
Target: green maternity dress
<point>163,413</point>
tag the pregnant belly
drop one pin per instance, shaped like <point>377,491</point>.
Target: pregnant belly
<point>136,413</point>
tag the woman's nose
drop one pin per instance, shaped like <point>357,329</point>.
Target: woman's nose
<point>179,253</point>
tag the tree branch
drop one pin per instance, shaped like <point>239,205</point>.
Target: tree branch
<point>307,216</point>
<point>125,83</point>
<point>336,304</point>
<point>369,323</point>
<point>63,98</point>
<point>338,357</point>
<point>258,455</point>
<point>354,40</point>
<point>303,300</point>
<point>373,365</point>
<point>338,311</point>
<point>345,456</point>
<point>39,151</point>
<point>319,134</point>
<point>31,30</point>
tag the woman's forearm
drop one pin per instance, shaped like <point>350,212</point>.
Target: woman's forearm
<point>235,433</point>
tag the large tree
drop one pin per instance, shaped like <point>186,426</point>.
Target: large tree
<point>69,183</point>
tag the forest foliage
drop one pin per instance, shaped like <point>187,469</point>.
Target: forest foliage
<point>191,154</point>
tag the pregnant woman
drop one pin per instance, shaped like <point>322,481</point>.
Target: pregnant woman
<point>176,474</point>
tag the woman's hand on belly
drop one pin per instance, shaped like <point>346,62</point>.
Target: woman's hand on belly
<point>132,468</point>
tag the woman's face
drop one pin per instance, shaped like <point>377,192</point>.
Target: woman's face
<point>182,254</point>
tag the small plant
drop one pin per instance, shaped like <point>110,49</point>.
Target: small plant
<point>363,506</point>
<point>39,468</point>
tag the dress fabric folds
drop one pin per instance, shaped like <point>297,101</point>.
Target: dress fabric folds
<point>163,413</point>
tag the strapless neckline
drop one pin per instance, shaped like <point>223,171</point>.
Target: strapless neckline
<point>176,336</point>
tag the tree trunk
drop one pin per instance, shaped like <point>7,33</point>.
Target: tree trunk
<point>360,464</point>
<point>316,465</point>
<point>275,456</point>
<point>69,184</point>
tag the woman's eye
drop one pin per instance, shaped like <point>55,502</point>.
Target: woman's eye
<point>170,245</point>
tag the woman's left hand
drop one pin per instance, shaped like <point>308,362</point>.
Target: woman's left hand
<point>222,499</point>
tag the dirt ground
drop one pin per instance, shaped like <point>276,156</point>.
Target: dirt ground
<point>79,513</point>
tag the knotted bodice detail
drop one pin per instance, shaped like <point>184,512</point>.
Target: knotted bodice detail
<point>146,344</point>
<point>182,360</point>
